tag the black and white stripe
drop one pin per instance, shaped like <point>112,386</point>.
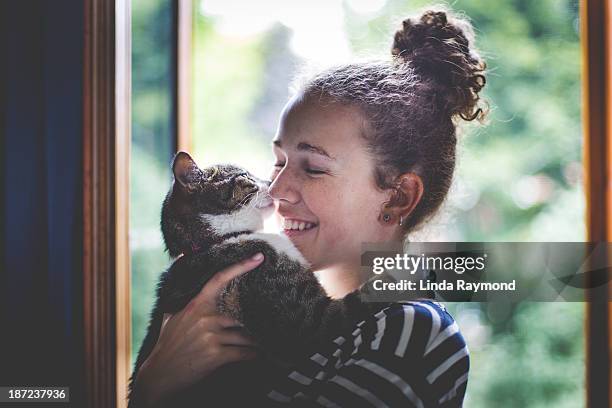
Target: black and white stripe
<point>410,354</point>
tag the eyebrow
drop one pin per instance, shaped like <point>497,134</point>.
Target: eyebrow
<point>302,146</point>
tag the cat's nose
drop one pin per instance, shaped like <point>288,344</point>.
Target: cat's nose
<point>262,183</point>
<point>263,186</point>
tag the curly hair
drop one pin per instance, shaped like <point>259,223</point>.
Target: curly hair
<point>413,102</point>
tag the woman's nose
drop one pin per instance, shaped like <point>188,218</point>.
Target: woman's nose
<point>284,187</point>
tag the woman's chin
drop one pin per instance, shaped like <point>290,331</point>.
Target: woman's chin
<point>298,240</point>
<point>305,241</point>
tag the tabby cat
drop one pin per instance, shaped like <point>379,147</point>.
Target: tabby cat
<point>212,217</point>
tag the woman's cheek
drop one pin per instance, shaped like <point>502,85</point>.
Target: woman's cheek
<point>339,240</point>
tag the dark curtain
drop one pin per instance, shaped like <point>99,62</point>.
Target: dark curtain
<point>41,157</point>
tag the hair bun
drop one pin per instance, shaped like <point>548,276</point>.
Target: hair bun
<point>437,46</point>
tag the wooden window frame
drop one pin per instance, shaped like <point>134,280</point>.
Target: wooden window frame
<point>106,163</point>
<point>106,132</point>
<point>106,149</point>
<point>596,40</point>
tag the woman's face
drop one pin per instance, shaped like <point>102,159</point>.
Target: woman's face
<point>323,183</point>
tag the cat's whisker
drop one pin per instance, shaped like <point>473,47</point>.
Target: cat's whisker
<point>245,201</point>
<point>250,199</point>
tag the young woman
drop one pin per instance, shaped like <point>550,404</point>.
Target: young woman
<point>364,153</point>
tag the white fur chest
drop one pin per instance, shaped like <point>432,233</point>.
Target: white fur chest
<point>279,242</point>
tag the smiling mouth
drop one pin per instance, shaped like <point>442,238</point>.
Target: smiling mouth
<point>293,226</point>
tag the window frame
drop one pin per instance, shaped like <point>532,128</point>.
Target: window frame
<point>106,147</point>
<point>596,40</point>
<point>107,140</point>
<point>106,132</point>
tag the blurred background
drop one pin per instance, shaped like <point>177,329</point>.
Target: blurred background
<point>518,178</point>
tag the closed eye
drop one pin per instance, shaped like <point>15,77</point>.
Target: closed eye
<point>278,166</point>
<point>315,171</point>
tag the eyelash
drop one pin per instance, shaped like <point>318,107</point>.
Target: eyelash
<point>279,166</point>
<point>315,172</point>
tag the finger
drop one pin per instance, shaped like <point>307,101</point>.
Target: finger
<point>218,322</point>
<point>226,322</point>
<point>165,319</point>
<point>238,353</point>
<point>209,293</point>
<point>235,338</point>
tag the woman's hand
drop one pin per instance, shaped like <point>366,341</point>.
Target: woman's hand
<point>196,341</point>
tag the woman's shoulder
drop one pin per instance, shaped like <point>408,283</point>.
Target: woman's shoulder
<point>411,327</point>
<point>403,329</point>
<point>414,347</point>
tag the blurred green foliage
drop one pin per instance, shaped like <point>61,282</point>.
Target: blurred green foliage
<point>518,178</point>
<point>151,152</point>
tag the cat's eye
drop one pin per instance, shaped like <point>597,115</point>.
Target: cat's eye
<point>244,181</point>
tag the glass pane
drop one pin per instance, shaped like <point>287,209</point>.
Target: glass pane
<point>518,178</point>
<point>152,147</point>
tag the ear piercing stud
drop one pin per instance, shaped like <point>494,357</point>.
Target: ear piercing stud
<point>387,218</point>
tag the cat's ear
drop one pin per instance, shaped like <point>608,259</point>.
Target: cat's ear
<point>185,170</point>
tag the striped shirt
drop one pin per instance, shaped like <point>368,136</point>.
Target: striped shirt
<point>410,354</point>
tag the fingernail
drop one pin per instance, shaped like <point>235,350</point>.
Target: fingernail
<point>257,257</point>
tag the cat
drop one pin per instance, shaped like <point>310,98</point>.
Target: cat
<point>213,218</point>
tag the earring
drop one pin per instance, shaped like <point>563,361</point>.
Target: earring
<point>401,220</point>
<point>386,217</point>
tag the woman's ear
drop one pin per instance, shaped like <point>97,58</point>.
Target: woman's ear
<point>406,195</point>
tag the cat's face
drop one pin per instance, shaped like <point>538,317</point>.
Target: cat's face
<point>211,202</point>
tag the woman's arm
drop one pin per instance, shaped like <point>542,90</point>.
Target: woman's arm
<point>193,343</point>
<point>406,355</point>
